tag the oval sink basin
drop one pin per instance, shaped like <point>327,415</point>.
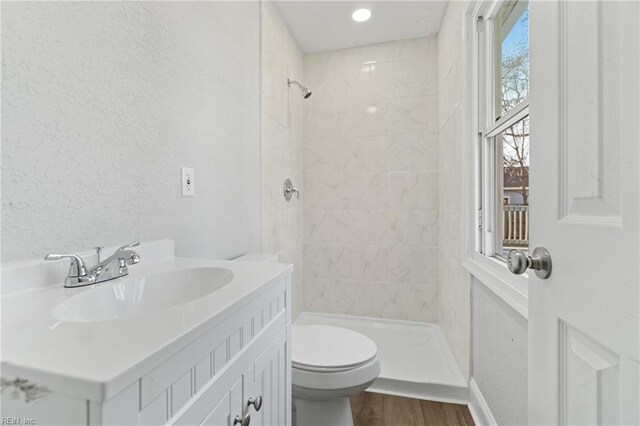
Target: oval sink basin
<point>129,297</point>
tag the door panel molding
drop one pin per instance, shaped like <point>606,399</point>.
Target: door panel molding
<point>589,380</point>
<point>590,96</point>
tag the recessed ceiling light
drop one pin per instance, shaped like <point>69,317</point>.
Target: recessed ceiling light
<point>361,15</point>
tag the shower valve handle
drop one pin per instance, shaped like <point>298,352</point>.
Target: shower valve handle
<point>288,189</point>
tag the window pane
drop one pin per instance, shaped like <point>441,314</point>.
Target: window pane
<point>513,146</point>
<point>512,45</point>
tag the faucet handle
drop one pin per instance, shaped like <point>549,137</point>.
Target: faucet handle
<point>133,259</point>
<point>133,244</point>
<point>77,267</point>
<point>133,256</point>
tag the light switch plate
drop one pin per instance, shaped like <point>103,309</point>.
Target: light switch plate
<point>188,184</point>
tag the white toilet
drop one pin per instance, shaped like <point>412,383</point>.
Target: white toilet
<point>329,365</point>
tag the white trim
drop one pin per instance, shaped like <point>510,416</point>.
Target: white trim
<point>471,152</point>
<point>493,274</point>
<point>472,234</point>
<point>512,117</point>
<point>478,407</point>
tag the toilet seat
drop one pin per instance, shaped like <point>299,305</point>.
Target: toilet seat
<point>327,358</point>
<point>333,381</point>
<point>324,348</point>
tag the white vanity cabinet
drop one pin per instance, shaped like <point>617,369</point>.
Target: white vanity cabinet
<point>240,352</point>
<point>211,380</point>
<point>265,379</point>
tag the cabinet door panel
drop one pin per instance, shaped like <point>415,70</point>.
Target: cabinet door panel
<point>251,390</point>
<point>270,382</point>
<point>221,414</point>
<point>237,401</point>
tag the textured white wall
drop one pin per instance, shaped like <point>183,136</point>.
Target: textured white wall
<point>371,181</point>
<point>103,102</point>
<point>455,291</point>
<point>282,112</point>
<point>500,356</point>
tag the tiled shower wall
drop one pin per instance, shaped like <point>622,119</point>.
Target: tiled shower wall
<point>455,291</point>
<point>282,115</point>
<point>371,181</point>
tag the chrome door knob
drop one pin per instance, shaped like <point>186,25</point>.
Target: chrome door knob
<point>242,421</point>
<point>257,403</point>
<point>539,261</point>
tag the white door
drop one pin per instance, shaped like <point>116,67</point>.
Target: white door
<point>583,320</point>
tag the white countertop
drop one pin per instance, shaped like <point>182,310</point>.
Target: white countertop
<point>98,359</point>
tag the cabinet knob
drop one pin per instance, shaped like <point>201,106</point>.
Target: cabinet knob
<point>257,403</point>
<point>242,421</point>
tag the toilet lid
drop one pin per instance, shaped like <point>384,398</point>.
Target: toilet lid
<point>330,348</point>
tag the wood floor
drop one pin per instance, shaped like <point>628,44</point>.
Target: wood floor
<point>374,409</point>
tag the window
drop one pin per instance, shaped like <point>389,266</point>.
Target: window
<point>512,56</point>
<point>503,91</point>
<point>512,146</point>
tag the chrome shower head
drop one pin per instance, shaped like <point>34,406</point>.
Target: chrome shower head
<point>305,92</point>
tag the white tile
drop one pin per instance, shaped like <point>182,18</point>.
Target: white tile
<point>274,231</point>
<point>367,191</point>
<point>413,265</point>
<point>353,155</point>
<point>346,262</point>
<point>325,120</point>
<point>274,141</point>
<point>402,79</point>
<point>387,228</point>
<point>411,152</point>
<point>371,155</point>
<point>422,228</point>
<point>403,301</point>
<point>365,263</point>
<point>413,190</point>
<point>320,155</point>
<point>336,296</point>
<point>362,191</point>
<point>413,115</point>
<point>370,118</point>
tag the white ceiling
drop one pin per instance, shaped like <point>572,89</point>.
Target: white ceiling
<point>327,25</point>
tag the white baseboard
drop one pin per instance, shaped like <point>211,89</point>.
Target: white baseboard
<point>478,407</point>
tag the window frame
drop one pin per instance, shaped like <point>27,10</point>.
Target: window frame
<point>490,177</point>
<point>486,270</point>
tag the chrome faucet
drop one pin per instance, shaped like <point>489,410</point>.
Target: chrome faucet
<point>115,266</point>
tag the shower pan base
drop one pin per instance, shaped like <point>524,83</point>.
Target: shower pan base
<point>415,359</point>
